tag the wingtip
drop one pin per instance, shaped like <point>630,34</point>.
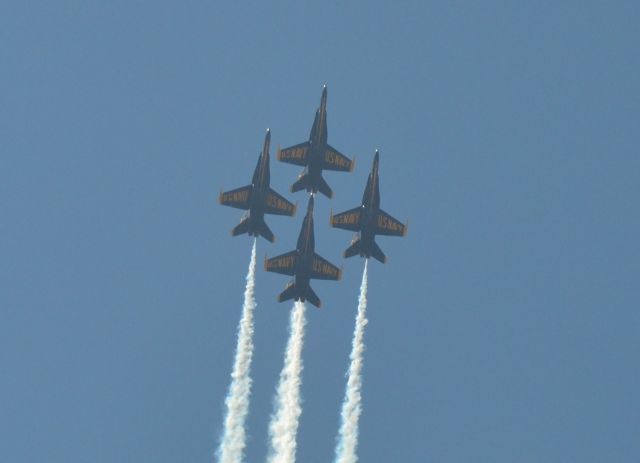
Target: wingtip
<point>353,164</point>
<point>295,209</point>
<point>406,228</point>
<point>220,196</point>
<point>279,154</point>
<point>331,218</point>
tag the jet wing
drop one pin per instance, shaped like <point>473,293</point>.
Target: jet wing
<point>276,204</point>
<point>347,220</point>
<point>322,269</point>
<point>335,160</point>
<point>387,225</point>
<point>284,263</point>
<point>296,154</point>
<point>238,198</point>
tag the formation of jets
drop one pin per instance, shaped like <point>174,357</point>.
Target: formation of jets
<point>258,199</point>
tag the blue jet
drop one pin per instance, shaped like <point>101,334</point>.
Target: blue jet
<point>316,155</point>
<point>368,220</point>
<point>303,264</point>
<point>257,199</point>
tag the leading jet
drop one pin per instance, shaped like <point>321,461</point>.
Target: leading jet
<point>303,264</point>
<point>369,220</point>
<point>257,199</point>
<point>316,154</point>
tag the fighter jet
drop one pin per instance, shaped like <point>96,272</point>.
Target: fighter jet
<point>257,199</point>
<point>316,154</point>
<point>303,264</point>
<point>369,220</point>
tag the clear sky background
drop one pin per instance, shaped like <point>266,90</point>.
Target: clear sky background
<point>505,327</point>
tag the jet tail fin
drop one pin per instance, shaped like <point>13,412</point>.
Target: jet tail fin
<point>263,229</point>
<point>288,293</point>
<point>266,232</point>
<point>323,187</point>
<point>377,253</point>
<point>358,248</point>
<point>242,227</point>
<point>301,184</point>
<point>312,297</point>
<point>304,182</point>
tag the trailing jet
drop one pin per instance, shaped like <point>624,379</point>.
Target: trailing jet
<point>316,154</point>
<point>257,199</point>
<point>303,264</point>
<point>369,220</point>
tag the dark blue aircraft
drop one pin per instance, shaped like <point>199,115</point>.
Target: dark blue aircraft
<point>316,154</point>
<point>369,220</point>
<point>257,199</point>
<point>303,264</point>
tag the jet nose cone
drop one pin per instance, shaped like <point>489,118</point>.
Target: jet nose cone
<point>310,206</point>
<point>376,157</point>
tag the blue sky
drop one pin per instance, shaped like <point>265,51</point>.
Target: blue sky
<point>504,326</point>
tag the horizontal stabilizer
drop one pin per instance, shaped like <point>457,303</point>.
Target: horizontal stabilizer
<point>354,249</point>
<point>372,250</point>
<point>312,297</point>
<point>288,293</point>
<point>266,232</point>
<point>323,187</point>
<point>377,253</point>
<point>242,227</point>
<point>304,182</point>
<point>301,184</point>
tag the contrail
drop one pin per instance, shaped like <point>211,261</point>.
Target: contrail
<point>351,407</point>
<point>233,438</point>
<point>284,422</point>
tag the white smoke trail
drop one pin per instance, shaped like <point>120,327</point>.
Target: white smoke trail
<point>233,438</point>
<point>284,422</point>
<point>351,407</point>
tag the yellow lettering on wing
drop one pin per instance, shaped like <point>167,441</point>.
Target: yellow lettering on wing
<point>282,262</point>
<point>387,224</point>
<point>346,219</point>
<point>235,196</point>
<point>294,153</point>
<point>278,203</point>
<point>335,159</point>
<point>324,268</point>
